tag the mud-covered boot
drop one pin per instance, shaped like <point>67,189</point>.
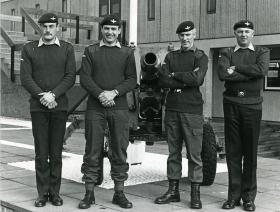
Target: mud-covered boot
<point>172,195</point>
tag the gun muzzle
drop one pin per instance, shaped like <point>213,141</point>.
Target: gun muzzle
<point>149,65</point>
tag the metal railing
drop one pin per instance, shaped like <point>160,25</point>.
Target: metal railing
<point>14,47</point>
<point>78,18</point>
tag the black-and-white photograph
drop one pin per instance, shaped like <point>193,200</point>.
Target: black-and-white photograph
<point>140,105</point>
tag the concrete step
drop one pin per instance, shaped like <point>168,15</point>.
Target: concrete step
<point>17,33</point>
<point>16,39</point>
<point>272,137</point>
<point>269,154</point>
<point>272,146</point>
<point>7,55</point>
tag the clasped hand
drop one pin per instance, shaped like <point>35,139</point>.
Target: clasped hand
<point>48,100</point>
<point>230,70</point>
<point>107,98</point>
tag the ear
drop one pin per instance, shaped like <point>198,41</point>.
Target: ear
<point>194,32</point>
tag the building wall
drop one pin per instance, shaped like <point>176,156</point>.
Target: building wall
<point>148,31</point>
<point>220,24</point>
<point>265,15</point>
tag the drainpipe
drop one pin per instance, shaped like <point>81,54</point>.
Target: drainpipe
<point>133,13</point>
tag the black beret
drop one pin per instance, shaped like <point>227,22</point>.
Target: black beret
<point>48,18</point>
<point>185,27</point>
<point>111,20</point>
<point>243,24</point>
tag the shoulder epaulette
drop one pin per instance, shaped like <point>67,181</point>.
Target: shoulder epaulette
<point>199,53</point>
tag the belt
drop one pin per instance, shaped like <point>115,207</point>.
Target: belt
<point>242,93</point>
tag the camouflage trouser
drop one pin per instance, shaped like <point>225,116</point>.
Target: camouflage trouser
<point>95,125</point>
<point>189,128</point>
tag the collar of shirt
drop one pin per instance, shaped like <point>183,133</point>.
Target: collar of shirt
<point>251,47</point>
<point>41,42</point>
<point>193,48</point>
<point>117,44</point>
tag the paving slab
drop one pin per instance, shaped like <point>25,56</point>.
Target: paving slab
<point>18,195</point>
<point>16,173</point>
<point>5,167</point>
<point>70,205</point>
<point>14,158</point>
<point>11,185</point>
<point>18,186</point>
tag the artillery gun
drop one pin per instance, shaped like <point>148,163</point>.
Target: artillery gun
<point>146,114</point>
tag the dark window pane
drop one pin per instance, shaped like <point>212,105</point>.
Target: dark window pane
<point>151,10</point>
<point>211,6</point>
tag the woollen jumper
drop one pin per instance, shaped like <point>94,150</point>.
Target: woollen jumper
<point>107,68</point>
<point>48,68</point>
<point>250,69</point>
<point>189,69</point>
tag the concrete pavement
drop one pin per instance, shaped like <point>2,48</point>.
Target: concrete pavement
<point>18,190</point>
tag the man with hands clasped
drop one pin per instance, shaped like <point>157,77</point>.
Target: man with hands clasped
<point>108,72</point>
<point>47,71</point>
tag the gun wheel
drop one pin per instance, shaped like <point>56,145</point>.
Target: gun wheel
<point>209,155</point>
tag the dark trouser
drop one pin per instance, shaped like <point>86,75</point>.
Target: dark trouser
<point>95,125</point>
<point>187,127</point>
<point>242,128</point>
<point>48,131</point>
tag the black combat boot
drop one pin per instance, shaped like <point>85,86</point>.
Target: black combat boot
<point>88,200</point>
<point>172,195</point>
<point>119,198</point>
<point>195,196</point>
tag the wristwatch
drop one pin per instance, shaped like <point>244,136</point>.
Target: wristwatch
<point>116,91</point>
<point>171,74</point>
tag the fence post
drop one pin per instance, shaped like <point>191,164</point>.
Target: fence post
<point>123,32</point>
<point>13,63</point>
<point>23,24</point>
<point>77,29</point>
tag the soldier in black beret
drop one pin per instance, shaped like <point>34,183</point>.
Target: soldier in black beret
<point>183,72</point>
<point>108,72</point>
<point>112,20</point>
<point>47,71</point>
<point>243,68</point>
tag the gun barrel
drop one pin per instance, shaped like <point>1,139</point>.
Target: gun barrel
<point>149,63</point>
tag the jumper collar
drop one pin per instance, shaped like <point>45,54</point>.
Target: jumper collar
<point>41,42</point>
<point>193,48</point>
<point>251,47</point>
<point>117,44</point>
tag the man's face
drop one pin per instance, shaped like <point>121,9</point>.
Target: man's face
<point>49,31</point>
<point>244,36</point>
<point>187,38</point>
<point>110,33</point>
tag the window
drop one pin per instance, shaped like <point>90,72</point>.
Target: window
<point>37,6</point>
<point>64,10</point>
<point>272,80</point>
<point>13,24</point>
<point>211,6</point>
<point>151,10</point>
